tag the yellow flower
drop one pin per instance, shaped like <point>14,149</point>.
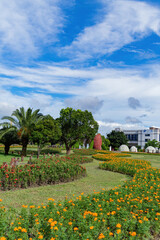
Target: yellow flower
<point>70,223</point>
<point>75,228</point>
<point>91,227</point>
<point>3,238</point>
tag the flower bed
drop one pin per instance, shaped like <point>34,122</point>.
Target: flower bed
<point>108,156</point>
<point>131,211</point>
<point>46,171</point>
<point>77,159</point>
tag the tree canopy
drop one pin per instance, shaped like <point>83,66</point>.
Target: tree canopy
<point>76,125</point>
<point>23,121</point>
<point>154,143</point>
<point>45,131</point>
<point>117,139</point>
<point>9,137</point>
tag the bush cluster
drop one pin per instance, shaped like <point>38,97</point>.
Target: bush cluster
<point>44,171</point>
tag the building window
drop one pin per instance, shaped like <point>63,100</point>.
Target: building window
<point>132,137</point>
<point>146,140</point>
<point>147,135</point>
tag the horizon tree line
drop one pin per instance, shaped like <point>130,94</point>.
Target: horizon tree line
<point>32,126</point>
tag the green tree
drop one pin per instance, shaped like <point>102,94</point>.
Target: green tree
<point>24,122</point>
<point>154,143</point>
<point>105,143</point>
<point>45,131</point>
<point>9,137</point>
<point>76,125</point>
<point>117,139</point>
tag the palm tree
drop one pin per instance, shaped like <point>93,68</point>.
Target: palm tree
<point>24,123</point>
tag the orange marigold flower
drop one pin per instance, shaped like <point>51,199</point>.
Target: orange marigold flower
<point>40,237</point>
<point>118,231</point>
<point>101,236</point>
<point>118,225</point>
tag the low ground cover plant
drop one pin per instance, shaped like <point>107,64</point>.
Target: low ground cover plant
<point>131,211</point>
<point>77,159</point>
<point>85,151</point>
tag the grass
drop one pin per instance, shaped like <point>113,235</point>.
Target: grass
<point>7,158</point>
<point>96,180</point>
<point>154,159</point>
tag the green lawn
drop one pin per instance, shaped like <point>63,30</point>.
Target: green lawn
<point>154,159</point>
<point>7,158</point>
<point>96,180</point>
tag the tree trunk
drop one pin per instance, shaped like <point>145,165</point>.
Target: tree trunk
<point>24,145</point>
<point>24,150</point>
<point>68,150</point>
<point>38,150</point>
<point>6,149</point>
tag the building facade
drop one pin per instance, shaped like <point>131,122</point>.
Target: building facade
<point>141,137</point>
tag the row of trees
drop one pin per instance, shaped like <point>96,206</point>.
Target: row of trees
<point>31,126</point>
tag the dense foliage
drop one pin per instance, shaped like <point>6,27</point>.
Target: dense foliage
<point>154,143</point>
<point>46,131</point>
<point>9,138</point>
<point>116,139</point>
<point>77,125</point>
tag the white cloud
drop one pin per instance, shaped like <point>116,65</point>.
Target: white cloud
<point>46,87</point>
<point>123,22</point>
<point>27,24</point>
<point>9,102</point>
<point>92,104</point>
<point>107,127</point>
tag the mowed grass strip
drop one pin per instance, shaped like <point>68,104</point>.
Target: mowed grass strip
<point>95,180</point>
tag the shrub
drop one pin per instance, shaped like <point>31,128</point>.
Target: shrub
<point>45,171</point>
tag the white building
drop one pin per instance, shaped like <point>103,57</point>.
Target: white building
<point>141,137</point>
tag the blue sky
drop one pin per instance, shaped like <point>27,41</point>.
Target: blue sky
<point>99,55</point>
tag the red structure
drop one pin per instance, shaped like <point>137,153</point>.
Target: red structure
<point>97,142</point>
